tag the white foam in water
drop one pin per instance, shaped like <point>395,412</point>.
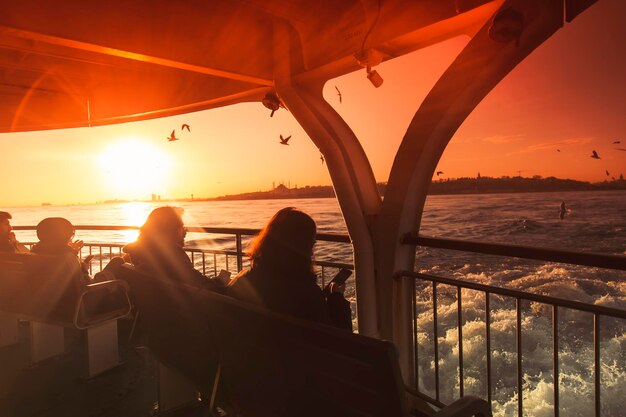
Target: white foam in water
<point>575,355</point>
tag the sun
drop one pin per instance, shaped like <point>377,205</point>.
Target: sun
<point>133,168</point>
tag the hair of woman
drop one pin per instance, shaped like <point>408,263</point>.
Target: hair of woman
<point>162,222</point>
<point>286,242</point>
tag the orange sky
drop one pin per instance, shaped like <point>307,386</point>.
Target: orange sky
<point>570,94</point>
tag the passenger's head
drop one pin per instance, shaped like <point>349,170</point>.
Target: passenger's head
<point>165,224</point>
<point>5,224</point>
<point>55,231</point>
<point>287,239</point>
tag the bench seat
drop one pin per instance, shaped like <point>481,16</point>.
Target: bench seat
<point>48,289</point>
<point>274,365</point>
<point>49,292</point>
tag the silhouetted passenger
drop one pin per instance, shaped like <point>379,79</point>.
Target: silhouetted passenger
<point>8,241</point>
<point>281,277</point>
<point>55,238</point>
<point>562,210</point>
<point>159,248</point>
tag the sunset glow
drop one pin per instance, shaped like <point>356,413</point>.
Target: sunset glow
<point>545,118</point>
<point>133,166</point>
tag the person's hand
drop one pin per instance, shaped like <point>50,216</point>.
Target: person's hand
<point>86,262</point>
<point>12,238</point>
<point>76,245</point>
<point>337,289</point>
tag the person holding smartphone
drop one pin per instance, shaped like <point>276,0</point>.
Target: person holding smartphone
<point>281,277</point>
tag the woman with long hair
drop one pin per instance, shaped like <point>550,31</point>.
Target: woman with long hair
<point>281,276</point>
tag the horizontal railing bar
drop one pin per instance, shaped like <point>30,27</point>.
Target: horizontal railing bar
<point>424,397</point>
<point>104,228</point>
<point>598,260</point>
<point>575,305</point>
<point>330,264</point>
<point>592,259</point>
<point>327,237</point>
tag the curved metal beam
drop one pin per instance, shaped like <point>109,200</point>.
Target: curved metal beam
<point>348,166</point>
<point>106,50</point>
<point>476,71</point>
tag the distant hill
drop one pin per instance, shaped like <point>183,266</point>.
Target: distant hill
<point>487,185</point>
<point>282,192</point>
<point>481,185</point>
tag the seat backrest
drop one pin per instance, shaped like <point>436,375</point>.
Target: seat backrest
<point>40,287</point>
<point>275,365</point>
<point>102,302</point>
<point>169,325</point>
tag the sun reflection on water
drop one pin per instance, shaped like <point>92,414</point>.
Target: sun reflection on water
<point>134,214</point>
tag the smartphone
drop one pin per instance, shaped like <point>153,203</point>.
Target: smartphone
<point>339,279</point>
<point>223,277</point>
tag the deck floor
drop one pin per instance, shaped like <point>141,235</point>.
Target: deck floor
<point>57,387</point>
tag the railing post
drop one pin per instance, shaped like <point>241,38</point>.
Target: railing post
<point>459,312</point>
<point>518,349</point>
<point>596,362</point>
<point>239,252</point>
<point>555,357</point>
<point>488,341</point>
<point>436,340</point>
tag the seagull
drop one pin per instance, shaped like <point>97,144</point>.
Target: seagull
<point>185,126</point>
<point>558,150</point>
<point>172,137</point>
<point>439,173</point>
<point>338,93</point>
<point>617,142</point>
<point>322,158</point>
<point>607,172</point>
<point>285,141</point>
<point>594,155</point>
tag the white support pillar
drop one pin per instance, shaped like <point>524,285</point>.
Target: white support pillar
<point>46,341</point>
<point>174,390</point>
<point>479,67</point>
<point>102,348</point>
<point>349,169</point>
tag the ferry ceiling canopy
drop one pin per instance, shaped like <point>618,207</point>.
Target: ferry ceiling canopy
<point>76,63</point>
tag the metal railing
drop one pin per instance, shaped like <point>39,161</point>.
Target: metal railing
<point>220,258</point>
<point>616,262</point>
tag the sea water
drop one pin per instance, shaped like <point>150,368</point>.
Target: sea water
<point>596,222</point>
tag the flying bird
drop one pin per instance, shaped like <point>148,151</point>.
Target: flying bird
<point>558,150</point>
<point>185,126</point>
<point>620,149</point>
<point>338,93</point>
<point>607,172</point>
<point>172,137</point>
<point>322,158</point>
<point>284,141</point>
<point>617,142</point>
<point>439,173</point>
<point>594,155</point>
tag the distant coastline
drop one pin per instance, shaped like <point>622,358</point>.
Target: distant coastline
<point>480,185</point>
